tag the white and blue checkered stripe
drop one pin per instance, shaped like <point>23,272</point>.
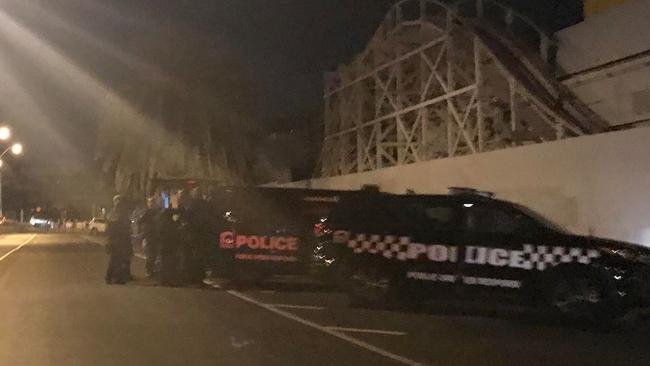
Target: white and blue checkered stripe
<point>543,256</point>
<point>390,246</point>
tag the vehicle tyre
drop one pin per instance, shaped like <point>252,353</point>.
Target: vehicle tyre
<point>583,296</point>
<point>370,286</point>
<point>93,231</point>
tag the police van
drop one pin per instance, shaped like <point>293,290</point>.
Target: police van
<point>265,232</point>
<point>470,246</point>
<point>257,232</point>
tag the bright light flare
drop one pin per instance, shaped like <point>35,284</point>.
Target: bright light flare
<point>5,133</point>
<point>17,148</point>
<point>1,163</point>
<point>74,80</point>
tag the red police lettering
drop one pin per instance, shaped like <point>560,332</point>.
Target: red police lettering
<point>264,243</point>
<point>253,242</point>
<point>292,244</point>
<point>278,243</point>
<point>241,240</point>
<point>226,240</point>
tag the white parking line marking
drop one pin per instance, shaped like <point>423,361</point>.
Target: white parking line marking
<point>17,248</point>
<point>361,330</point>
<point>303,307</point>
<point>337,334</point>
<point>141,256</point>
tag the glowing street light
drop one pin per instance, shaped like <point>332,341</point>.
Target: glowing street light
<point>17,148</point>
<point>5,133</point>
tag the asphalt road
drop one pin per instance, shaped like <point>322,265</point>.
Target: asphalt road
<point>56,310</point>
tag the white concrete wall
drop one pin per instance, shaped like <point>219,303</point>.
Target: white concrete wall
<point>618,98</point>
<point>618,32</point>
<point>621,31</point>
<point>596,184</point>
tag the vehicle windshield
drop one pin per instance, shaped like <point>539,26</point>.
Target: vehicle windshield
<point>542,220</point>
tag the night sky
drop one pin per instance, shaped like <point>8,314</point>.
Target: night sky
<point>284,45</point>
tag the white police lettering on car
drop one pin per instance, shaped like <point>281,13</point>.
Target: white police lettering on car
<point>530,257</point>
<point>435,253</point>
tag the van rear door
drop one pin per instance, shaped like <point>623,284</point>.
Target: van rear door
<point>271,229</point>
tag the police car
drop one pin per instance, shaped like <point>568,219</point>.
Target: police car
<point>469,246</point>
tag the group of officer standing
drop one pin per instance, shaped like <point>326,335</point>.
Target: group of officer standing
<point>176,240</point>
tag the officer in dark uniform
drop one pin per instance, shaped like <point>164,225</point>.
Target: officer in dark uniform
<point>147,226</point>
<point>119,245</point>
<point>198,237</point>
<point>170,237</point>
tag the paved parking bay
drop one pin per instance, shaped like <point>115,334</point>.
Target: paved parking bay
<point>444,339</point>
<point>57,311</point>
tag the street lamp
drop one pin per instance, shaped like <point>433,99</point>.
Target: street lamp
<point>15,149</point>
<point>5,133</point>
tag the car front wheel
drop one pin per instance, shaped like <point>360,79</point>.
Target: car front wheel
<point>370,286</point>
<point>583,297</point>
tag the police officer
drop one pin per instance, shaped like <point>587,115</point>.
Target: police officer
<point>169,238</point>
<point>198,231</point>
<point>147,226</point>
<point>119,243</point>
